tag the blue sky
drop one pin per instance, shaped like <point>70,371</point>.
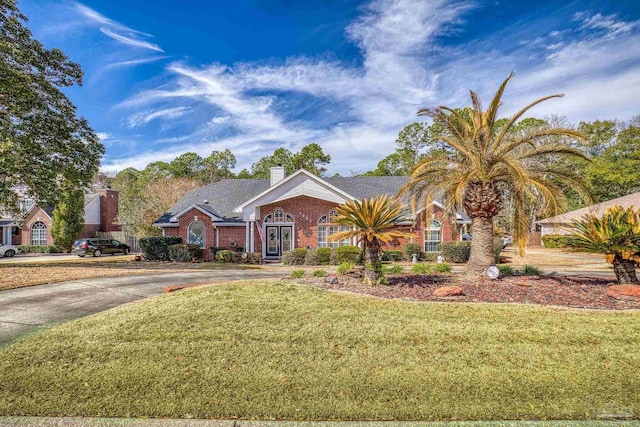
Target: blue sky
<point>166,77</point>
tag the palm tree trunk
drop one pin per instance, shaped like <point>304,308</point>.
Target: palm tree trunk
<point>481,247</point>
<point>625,270</point>
<point>373,265</point>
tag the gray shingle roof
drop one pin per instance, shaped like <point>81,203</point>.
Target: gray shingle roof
<point>226,195</point>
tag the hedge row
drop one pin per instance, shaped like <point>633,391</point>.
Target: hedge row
<point>459,252</point>
<point>184,252</point>
<point>556,241</point>
<point>236,257</point>
<point>157,248</point>
<point>33,249</point>
<point>323,256</point>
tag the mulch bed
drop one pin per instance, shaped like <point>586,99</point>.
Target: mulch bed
<point>576,292</point>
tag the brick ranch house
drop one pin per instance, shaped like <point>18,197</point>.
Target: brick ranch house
<point>282,213</point>
<point>100,214</point>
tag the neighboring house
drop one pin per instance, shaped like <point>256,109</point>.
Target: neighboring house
<point>282,213</point>
<point>558,224</point>
<point>100,214</point>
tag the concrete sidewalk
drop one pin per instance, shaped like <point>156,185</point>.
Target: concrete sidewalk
<point>31,309</point>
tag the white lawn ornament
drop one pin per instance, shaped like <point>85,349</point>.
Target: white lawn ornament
<point>440,259</point>
<point>493,272</point>
<point>414,258</point>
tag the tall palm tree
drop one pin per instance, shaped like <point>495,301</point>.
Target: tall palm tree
<point>485,163</point>
<point>616,234</point>
<point>373,222</point>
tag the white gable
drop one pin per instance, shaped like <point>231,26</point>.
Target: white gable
<point>301,183</point>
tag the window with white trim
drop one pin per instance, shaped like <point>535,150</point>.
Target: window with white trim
<point>433,236</point>
<point>268,218</point>
<point>278,215</point>
<point>325,230</point>
<point>39,234</point>
<point>195,234</point>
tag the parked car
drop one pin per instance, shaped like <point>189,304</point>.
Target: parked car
<point>506,241</point>
<point>98,247</point>
<point>8,250</point>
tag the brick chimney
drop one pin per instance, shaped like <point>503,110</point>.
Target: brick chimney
<point>277,174</point>
<point>109,210</point>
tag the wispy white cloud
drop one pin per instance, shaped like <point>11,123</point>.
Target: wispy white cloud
<point>143,118</point>
<point>115,30</point>
<point>251,107</point>
<point>129,40</point>
<point>134,62</point>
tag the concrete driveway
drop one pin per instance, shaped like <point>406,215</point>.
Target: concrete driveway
<point>32,309</point>
<point>41,258</point>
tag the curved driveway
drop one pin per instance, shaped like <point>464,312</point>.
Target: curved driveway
<point>31,309</point>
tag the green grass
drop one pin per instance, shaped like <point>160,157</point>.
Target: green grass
<point>284,351</point>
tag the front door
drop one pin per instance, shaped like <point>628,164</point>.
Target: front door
<point>279,239</point>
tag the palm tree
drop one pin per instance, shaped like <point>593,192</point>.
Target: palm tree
<point>373,223</point>
<point>616,234</point>
<point>484,163</point>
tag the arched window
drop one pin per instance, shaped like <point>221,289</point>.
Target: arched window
<point>278,215</point>
<point>325,230</point>
<point>288,218</point>
<point>268,218</point>
<point>433,236</point>
<point>39,234</point>
<point>333,214</point>
<point>195,234</point>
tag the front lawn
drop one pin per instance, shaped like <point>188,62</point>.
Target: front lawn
<point>271,350</point>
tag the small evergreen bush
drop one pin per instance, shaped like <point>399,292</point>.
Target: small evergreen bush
<point>421,268</point>
<point>184,252</point>
<point>506,270</point>
<point>345,267</point>
<point>442,267</point>
<point>294,257</point>
<point>457,252</point>
<point>530,270</point>
<point>319,273</point>
<point>323,255</point>
<point>410,249</point>
<point>227,256</point>
<point>392,255</point>
<point>342,254</point>
<point>157,248</point>
<point>297,274</point>
<point>393,269</point>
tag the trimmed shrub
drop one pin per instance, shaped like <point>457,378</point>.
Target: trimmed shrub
<point>251,258</point>
<point>323,255</point>
<point>443,267</point>
<point>294,257</point>
<point>556,241</point>
<point>343,254</point>
<point>457,252</point>
<point>345,267</point>
<point>227,256</point>
<point>430,256</point>
<point>506,270</point>
<point>319,273</point>
<point>392,255</point>
<point>33,249</point>
<point>412,248</point>
<point>184,252</point>
<point>421,268</point>
<point>214,250</point>
<point>157,248</point>
<point>393,269</point>
<point>297,274</point>
<point>530,270</point>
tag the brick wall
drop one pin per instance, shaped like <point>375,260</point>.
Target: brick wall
<point>36,215</point>
<point>109,210</point>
